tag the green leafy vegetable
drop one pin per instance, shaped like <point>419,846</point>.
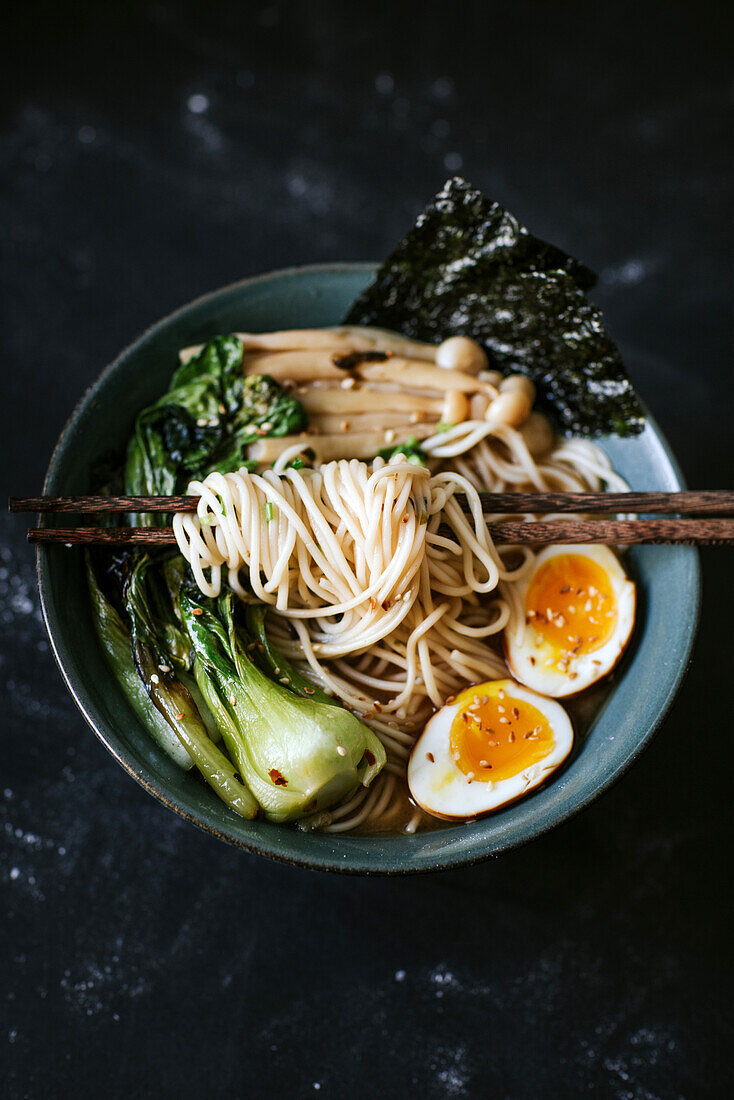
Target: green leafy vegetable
<point>296,755</point>
<point>468,267</point>
<point>161,651</point>
<point>205,422</point>
<point>115,640</point>
<point>411,449</point>
<point>275,664</point>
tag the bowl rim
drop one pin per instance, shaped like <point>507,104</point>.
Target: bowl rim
<point>114,744</point>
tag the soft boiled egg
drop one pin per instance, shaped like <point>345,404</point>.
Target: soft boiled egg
<point>491,744</point>
<point>571,619</point>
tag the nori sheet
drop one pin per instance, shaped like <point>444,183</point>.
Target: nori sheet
<point>468,267</point>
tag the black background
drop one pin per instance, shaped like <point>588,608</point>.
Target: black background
<point>143,958</point>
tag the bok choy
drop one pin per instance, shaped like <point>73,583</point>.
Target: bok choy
<point>211,413</point>
<point>297,754</point>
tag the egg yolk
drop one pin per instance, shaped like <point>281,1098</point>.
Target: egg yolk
<point>494,736</point>
<point>570,605</point>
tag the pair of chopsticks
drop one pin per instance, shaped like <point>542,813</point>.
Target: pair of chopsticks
<point>702,525</point>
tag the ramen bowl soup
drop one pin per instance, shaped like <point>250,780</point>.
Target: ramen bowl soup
<point>333,662</point>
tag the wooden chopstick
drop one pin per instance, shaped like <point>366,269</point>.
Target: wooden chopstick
<point>686,532</point>
<point>84,505</point>
<point>703,501</point>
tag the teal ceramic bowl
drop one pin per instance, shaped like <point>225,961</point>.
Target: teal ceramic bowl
<point>643,692</point>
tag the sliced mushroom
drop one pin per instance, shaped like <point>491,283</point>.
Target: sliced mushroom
<point>343,339</point>
<point>419,375</point>
<point>327,424</point>
<point>327,448</point>
<point>334,399</point>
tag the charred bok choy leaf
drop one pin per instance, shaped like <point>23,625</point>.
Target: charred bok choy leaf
<point>116,645</point>
<point>467,267</point>
<point>162,652</point>
<point>296,754</point>
<point>205,422</point>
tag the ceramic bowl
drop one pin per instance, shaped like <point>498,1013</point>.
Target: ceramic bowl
<point>643,691</point>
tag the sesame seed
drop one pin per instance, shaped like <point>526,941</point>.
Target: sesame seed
<point>233,700</point>
<point>501,693</point>
<point>469,776</point>
<point>347,384</point>
<point>155,678</point>
<point>179,716</point>
<point>341,750</point>
<point>485,699</point>
<point>505,720</point>
<point>430,757</point>
<point>164,668</point>
<point>515,712</point>
<point>501,710</point>
<point>512,735</point>
<point>587,605</point>
<point>198,611</point>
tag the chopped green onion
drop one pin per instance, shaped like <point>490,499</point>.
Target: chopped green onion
<point>295,463</point>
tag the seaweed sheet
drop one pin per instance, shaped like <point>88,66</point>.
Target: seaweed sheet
<point>468,267</point>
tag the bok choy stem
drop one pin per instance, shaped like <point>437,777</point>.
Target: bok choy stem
<point>297,755</point>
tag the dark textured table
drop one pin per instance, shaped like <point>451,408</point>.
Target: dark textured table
<point>156,153</point>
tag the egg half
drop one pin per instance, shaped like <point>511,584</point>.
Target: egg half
<point>571,619</point>
<point>490,745</point>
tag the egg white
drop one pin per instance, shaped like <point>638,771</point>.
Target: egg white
<point>529,662</point>
<point>440,787</point>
